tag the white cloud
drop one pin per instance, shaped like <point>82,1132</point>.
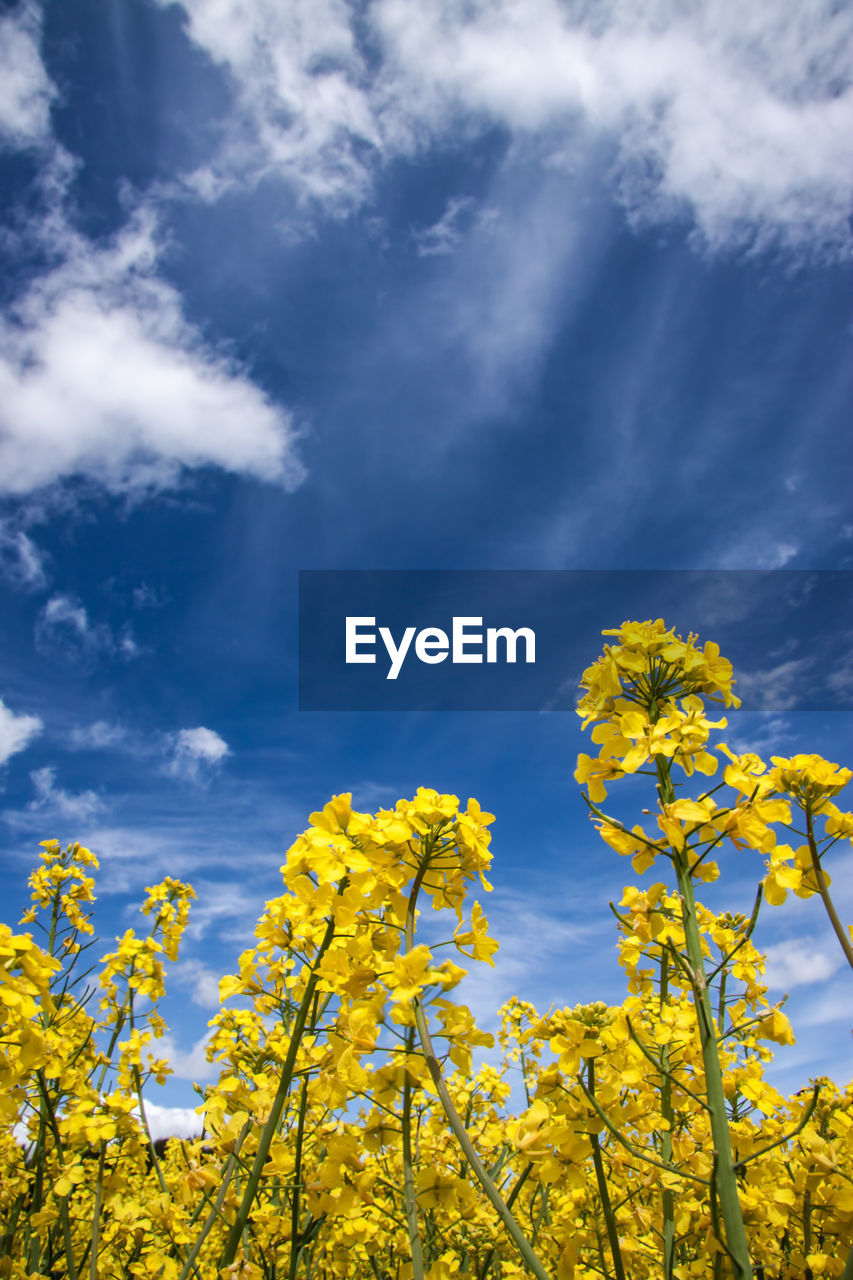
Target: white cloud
<point>775,688</point>
<point>65,630</point>
<point>799,962</point>
<point>489,313</point>
<point>25,88</point>
<point>98,736</point>
<point>190,1065</point>
<point>195,751</point>
<point>53,799</point>
<point>781,554</point>
<point>840,681</point>
<point>831,1005</point>
<point>16,731</point>
<point>443,236</point>
<point>202,981</point>
<point>146,597</point>
<point>303,108</point>
<point>63,610</point>
<point>740,118</point>
<point>759,733</point>
<point>21,561</point>
<point>171,1122</point>
<point>227,908</point>
<point>101,376</point>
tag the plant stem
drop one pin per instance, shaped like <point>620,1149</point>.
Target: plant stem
<point>295,1243</point>
<point>603,1193</point>
<point>409,1196</point>
<point>726,1178</point>
<point>453,1117</point>
<point>823,890</point>
<point>666,1133</point>
<point>96,1214</point>
<point>235,1235</point>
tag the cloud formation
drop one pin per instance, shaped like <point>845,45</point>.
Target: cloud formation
<point>16,732</point>
<point>101,376</point>
<point>737,120</point>
<point>172,1122</point>
<point>21,561</point>
<point>776,688</point>
<point>101,735</point>
<point>65,631</point>
<point>196,752</point>
<point>55,799</point>
<point>25,88</point>
<point>798,962</point>
<point>202,982</point>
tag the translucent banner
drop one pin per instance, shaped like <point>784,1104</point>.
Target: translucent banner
<point>519,640</point>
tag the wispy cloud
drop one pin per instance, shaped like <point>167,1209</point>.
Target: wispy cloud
<point>147,597</point>
<point>101,735</point>
<point>64,630</point>
<point>26,91</point>
<point>543,955</point>
<point>202,982</point>
<point>224,909</point>
<point>760,733</point>
<point>55,800</point>
<point>840,681</point>
<point>17,731</point>
<point>21,561</point>
<point>740,121</point>
<point>832,1004</point>
<point>444,235</point>
<point>302,106</point>
<point>487,314</point>
<point>776,688</point>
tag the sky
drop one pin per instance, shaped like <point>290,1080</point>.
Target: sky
<point>412,285</point>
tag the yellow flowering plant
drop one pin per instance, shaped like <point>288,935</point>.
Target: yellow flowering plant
<point>348,1131</point>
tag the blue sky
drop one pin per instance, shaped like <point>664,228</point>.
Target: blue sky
<point>396,285</point>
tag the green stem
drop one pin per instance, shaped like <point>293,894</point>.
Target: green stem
<point>63,1201</point>
<point>453,1117</point>
<point>235,1235</point>
<point>603,1192</point>
<point>636,1152</point>
<point>823,890</point>
<point>510,1201</point>
<point>667,1113</point>
<point>96,1215</point>
<point>216,1209</point>
<point>40,1155</point>
<point>409,1196</point>
<point>295,1242</point>
<point>726,1179</point>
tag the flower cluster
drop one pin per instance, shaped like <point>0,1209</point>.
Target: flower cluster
<point>352,1129</point>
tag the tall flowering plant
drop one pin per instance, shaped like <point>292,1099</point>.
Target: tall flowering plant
<point>647,697</point>
<point>347,1131</point>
